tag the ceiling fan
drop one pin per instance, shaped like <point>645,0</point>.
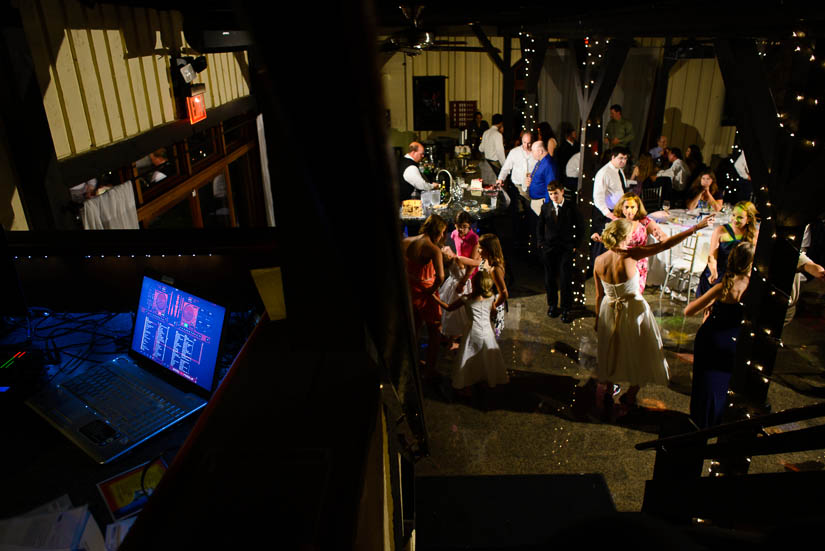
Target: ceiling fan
<point>413,40</point>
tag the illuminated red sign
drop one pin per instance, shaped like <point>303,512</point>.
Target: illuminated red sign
<point>197,108</point>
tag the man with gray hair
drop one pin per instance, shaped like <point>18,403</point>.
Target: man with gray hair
<point>519,164</point>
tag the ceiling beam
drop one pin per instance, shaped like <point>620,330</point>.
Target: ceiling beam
<point>488,47</point>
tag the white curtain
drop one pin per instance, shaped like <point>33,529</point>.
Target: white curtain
<point>270,209</point>
<point>557,90</point>
<point>113,210</point>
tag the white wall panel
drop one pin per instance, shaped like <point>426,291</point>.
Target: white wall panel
<point>104,70</point>
<point>470,76</point>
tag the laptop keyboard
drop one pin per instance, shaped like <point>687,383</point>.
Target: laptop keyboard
<point>129,406</point>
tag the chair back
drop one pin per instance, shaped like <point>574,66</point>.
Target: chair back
<point>683,256</point>
<point>700,256</point>
<point>652,198</point>
<point>689,248</point>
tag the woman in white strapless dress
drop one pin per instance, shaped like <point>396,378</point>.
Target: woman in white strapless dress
<point>630,345</point>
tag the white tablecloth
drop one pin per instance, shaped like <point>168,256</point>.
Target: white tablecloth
<point>657,265</point>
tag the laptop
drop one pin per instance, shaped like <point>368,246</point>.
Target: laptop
<point>168,374</point>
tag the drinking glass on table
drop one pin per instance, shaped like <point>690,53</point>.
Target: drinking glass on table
<point>666,205</point>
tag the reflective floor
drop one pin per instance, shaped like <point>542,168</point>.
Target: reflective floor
<point>542,422</point>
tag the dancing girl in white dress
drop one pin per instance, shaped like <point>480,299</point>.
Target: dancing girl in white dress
<point>479,357</point>
<point>630,345</point>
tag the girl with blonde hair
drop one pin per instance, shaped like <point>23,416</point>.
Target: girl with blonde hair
<point>493,261</point>
<point>742,227</point>
<point>629,342</point>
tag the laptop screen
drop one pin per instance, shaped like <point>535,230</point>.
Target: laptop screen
<point>179,331</point>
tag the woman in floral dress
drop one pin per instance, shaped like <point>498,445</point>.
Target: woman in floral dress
<point>630,207</point>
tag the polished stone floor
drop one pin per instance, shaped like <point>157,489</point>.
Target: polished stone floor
<point>535,425</point>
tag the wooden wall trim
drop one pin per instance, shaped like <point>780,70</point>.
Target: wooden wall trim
<point>178,193</point>
<point>82,167</point>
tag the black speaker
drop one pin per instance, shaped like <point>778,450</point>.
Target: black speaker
<point>215,31</point>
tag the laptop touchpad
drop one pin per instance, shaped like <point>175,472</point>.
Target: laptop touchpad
<point>98,432</point>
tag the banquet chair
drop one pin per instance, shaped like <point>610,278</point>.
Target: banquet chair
<point>652,198</point>
<point>686,264</point>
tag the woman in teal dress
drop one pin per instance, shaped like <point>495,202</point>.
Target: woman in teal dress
<point>741,229</point>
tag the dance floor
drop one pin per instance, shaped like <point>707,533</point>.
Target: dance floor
<point>535,425</point>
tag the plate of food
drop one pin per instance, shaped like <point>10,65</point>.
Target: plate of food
<point>411,208</point>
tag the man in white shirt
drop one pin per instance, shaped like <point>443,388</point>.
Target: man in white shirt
<point>518,164</point>
<point>492,143</point>
<point>608,187</point>
<point>679,173</point>
<point>572,168</point>
<point>412,182</point>
<point>610,184</point>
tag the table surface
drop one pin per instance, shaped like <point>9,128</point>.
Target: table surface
<point>481,197</point>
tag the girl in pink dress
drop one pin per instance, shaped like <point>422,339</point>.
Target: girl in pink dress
<point>630,207</point>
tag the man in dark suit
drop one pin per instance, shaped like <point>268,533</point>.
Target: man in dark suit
<point>559,234</point>
<point>569,147</point>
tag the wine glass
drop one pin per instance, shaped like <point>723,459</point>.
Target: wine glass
<point>666,205</point>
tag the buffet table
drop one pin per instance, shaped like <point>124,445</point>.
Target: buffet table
<point>480,204</point>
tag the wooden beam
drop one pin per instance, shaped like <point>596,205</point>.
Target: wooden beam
<point>488,47</point>
<point>158,206</point>
<point>782,167</point>
<point>657,108</point>
<point>593,99</point>
<point>537,55</point>
<point>31,150</point>
<point>594,85</point>
<point>508,92</point>
<point>384,58</point>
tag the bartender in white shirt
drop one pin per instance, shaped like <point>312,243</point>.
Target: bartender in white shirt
<point>412,182</point>
<point>519,164</point>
